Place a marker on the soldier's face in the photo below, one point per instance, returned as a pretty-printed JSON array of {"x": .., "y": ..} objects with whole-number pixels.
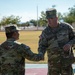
[
  {"x": 53, "y": 22},
  {"x": 16, "y": 35}
]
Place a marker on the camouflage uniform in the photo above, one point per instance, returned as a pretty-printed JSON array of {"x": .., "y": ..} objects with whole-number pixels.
[
  {"x": 52, "y": 41},
  {"x": 12, "y": 57}
]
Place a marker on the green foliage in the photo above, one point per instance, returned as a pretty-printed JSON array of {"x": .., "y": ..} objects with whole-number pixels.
[
  {"x": 43, "y": 15},
  {"x": 10, "y": 19},
  {"x": 60, "y": 16},
  {"x": 42, "y": 20},
  {"x": 34, "y": 22},
  {"x": 70, "y": 17}
]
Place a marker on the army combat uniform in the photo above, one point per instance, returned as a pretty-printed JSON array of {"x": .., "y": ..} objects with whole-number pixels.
[
  {"x": 52, "y": 40},
  {"x": 13, "y": 54},
  {"x": 12, "y": 57}
]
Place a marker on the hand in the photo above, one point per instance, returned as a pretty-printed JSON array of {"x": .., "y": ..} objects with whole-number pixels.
[
  {"x": 41, "y": 56},
  {"x": 67, "y": 47},
  {"x": 38, "y": 57}
]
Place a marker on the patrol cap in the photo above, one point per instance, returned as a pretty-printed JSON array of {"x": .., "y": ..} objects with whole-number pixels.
[
  {"x": 12, "y": 28},
  {"x": 51, "y": 13}
]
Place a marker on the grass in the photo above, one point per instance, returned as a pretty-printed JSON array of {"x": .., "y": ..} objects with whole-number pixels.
[{"x": 29, "y": 38}]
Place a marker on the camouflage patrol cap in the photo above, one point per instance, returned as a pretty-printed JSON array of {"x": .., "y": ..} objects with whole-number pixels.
[
  {"x": 12, "y": 28},
  {"x": 51, "y": 13}
]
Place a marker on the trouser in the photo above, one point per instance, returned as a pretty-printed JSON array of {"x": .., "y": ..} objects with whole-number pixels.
[
  {"x": 60, "y": 70},
  {"x": 12, "y": 73}
]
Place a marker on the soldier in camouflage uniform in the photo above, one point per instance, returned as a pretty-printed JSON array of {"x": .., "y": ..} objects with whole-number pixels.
[
  {"x": 13, "y": 54},
  {"x": 57, "y": 39}
]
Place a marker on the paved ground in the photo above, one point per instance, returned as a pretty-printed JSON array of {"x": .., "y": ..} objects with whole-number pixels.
[
  {"x": 39, "y": 69},
  {"x": 36, "y": 71}
]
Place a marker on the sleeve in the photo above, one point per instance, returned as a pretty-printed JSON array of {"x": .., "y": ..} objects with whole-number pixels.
[
  {"x": 71, "y": 36},
  {"x": 43, "y": 43},
  {"x": 28, "y": 54}
]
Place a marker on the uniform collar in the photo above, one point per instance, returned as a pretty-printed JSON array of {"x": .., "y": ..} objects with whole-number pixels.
[{"x": 11, "y": 39}]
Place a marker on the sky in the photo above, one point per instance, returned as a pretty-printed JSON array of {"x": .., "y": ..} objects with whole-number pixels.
[{"x": 31, "y": 9}]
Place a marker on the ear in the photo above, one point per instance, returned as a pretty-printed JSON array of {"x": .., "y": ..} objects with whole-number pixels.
[{"x": 14, "y": 34}]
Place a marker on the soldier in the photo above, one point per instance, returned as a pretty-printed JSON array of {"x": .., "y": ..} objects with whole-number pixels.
[
  {"x": 13, "y": 54},
  {"x": 57, "y": 39}
]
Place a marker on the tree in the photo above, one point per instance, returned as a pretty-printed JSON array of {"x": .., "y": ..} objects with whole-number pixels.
[
  {"x": 42, "y": 20},
  {"x": 10, "y": 19},
  {"x": 60, "y": 16},
  {"x": 34, "y": 22},
  {"x": 70, "y": 17}
]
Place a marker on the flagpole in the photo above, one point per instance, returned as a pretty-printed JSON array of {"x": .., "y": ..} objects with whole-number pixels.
[{"x": 37, "y": 17}]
